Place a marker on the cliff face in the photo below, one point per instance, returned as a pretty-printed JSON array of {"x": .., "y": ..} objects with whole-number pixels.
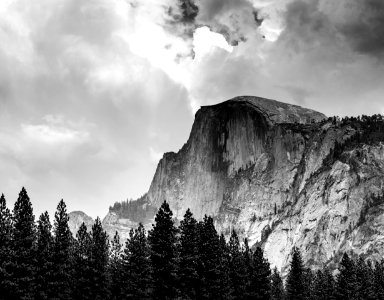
[
  {"x": 76, "y": 218},
  {"x": 265, "y": 168},
  {"x": 228, "y": 141},
  {"x": 277, "y": 173}
]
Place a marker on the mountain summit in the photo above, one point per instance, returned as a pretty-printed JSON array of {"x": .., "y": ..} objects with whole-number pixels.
[{"x": 279, "y": 174}]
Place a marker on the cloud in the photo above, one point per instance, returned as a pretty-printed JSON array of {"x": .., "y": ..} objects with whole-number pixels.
[
  {"x": 364, "y": 26},
  {"x": 89, "y": 87},
  {"x": 359, "y": 24},
  {"x": 53, "y": 132},
  {"x": 235, "y": 20}
]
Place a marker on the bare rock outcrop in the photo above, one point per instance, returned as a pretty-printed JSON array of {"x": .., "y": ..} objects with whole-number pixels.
[{"x": 280, "y": 175}]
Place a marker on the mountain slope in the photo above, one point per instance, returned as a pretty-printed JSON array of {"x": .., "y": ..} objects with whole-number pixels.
[{"x": 282, "y": 176}]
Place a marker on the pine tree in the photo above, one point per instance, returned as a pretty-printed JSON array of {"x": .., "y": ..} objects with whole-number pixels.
[
  {"x": 81, "y": 264},
  {"x": 188, "y": 257},
  {"x": 260, "y": 276},
  {"x": 277, "y": 286},
  {"x": 248, "y": 260},
  {"x": 162, "y": 240},
  {"x": 323, "y": 285},
  {"x": 115, "y": 267},
  {"x": 5, "y": 249},
  {"x": 137, "y": 271},
  {"x": 295, "y": 280},
  {"x": 209, "y": 260},
  {"x": 346, "y": 280},
  {"x": 99, "y": 262},
  {"x": 238, "y": 269},
  {"x": 364, "y": 274},
  {"x": 318, "y": 285},
  {"x": 308, "y": 278},
  {"x": 24, "y": 247},
  {"x": 225, "y": 284},
  {"x": 379, "y": 280},
  {"x": 62, "y": 255},
  {"x": 329, "y": 284},
  {"x": 44, "y": 257}
]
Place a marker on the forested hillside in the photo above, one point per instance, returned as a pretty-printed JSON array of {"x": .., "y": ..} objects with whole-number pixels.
[{"x": 191, "y": 261}]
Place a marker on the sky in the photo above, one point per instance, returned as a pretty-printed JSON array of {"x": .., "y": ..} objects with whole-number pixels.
[{"x": 93, "y": 92}]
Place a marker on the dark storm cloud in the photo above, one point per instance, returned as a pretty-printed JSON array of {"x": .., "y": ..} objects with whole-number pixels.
[
  {"x": 306, "y": 24},
  {"x": 357, "y": 24},
  {"x": 232, "y": 19},
  {"x": 364, "y": 30},
  {"x": 235, "y": 20}
]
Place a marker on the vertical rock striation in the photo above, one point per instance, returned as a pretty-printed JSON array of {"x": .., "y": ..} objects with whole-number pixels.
[{"x": 268, "y": 170}]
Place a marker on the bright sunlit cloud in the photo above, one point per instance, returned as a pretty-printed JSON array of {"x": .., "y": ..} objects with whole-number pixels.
[{"x": 205, "y": 42}]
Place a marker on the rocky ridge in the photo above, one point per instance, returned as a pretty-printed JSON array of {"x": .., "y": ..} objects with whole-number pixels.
[{"x": 281, "y": 175}]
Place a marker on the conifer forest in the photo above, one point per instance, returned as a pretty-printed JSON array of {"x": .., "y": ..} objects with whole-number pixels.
[{"x": 41, "y": 260}]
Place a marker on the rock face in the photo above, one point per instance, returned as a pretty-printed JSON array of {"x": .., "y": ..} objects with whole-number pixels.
[
  {"x": 227, "y": 142},
  {"x": 76, "y": 218},
  {"x": 270, "y": 170}
]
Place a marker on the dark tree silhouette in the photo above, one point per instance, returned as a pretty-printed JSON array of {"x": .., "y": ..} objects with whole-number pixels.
[
  {"x": 260, "y": 276},
  {"x": 209, "y": 260},
  {"x": 323, "y": 285},
  {"x": 162, "y": 240},
  {"x": 378, "y": 279},
  {"x": 98, "y": 264},
  {"x": 6, "y": 281},
  {"x": 277, "y": 286},
  {"x": 188, "y": 257},
  {"x": 81, "y": 264},
  {"x": 365, "y": 284},
  {"x": 225, "y": 284},
  {"x": 346, "y": 280},
  {"x": 44, "y": 258},
  {"x": 238, "y": 269},
  {"x": 116, "y": 267},
  {"x": 295, "y": 280},
  {"x": 137, "y": 270},
  {"x": 62, "y": 254},
  {"x": 24, "y": 250}
]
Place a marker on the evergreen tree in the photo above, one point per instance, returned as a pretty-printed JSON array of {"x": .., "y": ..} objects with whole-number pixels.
[
  {"x": 248, "y": 260},
  {"x": 323, "y": 285},
  {"x": 162, "y": 240},
  {"x": 137, "y": 271},
  {"x": 115, "y": 267},
  {"x": 379, "y": 280},
  {"x": 346, "y": 280},
  {"x": 225, "y": 284},
  {"x": 209, "y": 260},
  {"x": 364, "y": 274},
  {"x": 260, "y": 276},
  {"x": 308, "y": 278},
  {"x": 295, "y": 280},
  {"x": 238, "y": 269},
  {"x": 44, "y": 257},
  {"x": 61, "y": 255},
  {"x": 98, "y": 264},
  {"x": 81, "y": 264},
  {"x": 188, "y": 253},
  {"x": 24, "y": 248},
  {"x": 277, "y": 286},
  {"x": 5, "y": 249}
]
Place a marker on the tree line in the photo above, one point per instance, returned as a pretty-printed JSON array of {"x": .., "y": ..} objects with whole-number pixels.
[{"x": 189, "y": 261}]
